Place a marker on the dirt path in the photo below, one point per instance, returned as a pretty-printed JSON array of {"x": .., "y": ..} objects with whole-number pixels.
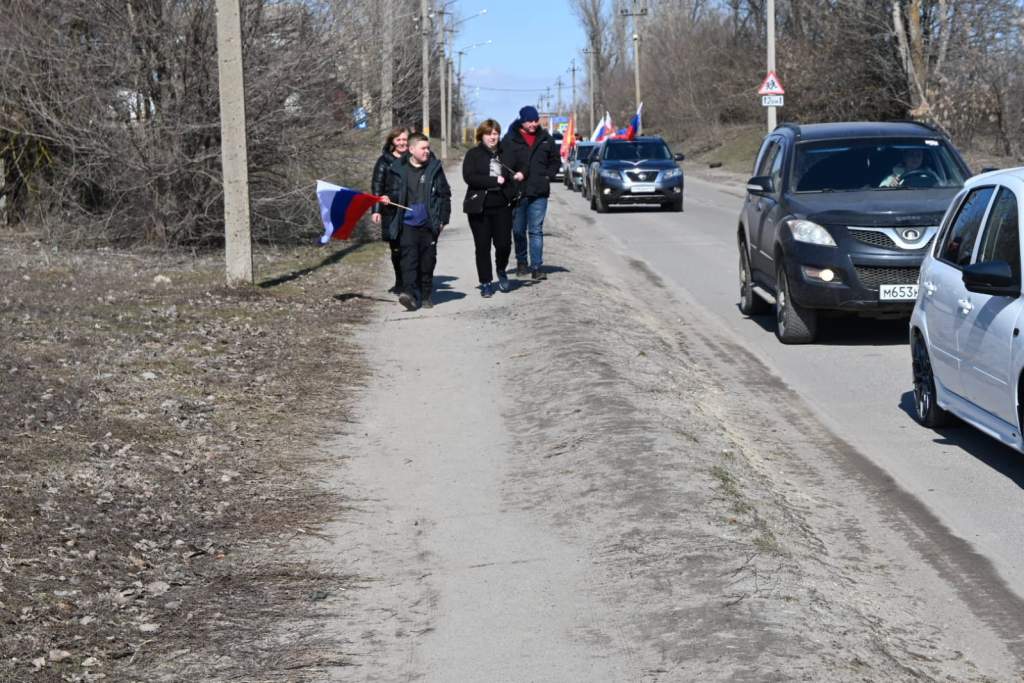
[{"x": 579, "y": 481}]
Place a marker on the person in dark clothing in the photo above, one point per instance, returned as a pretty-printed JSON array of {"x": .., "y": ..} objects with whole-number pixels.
[
  {"x": 488, "y": 206},
  {"x": 531, "y": 153},
  {"x": 418, "y": 181},
  {"x": 396, "y": 144}
]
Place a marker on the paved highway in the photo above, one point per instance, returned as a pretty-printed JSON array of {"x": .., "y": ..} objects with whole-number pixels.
[{"x": 857, "y": 377}]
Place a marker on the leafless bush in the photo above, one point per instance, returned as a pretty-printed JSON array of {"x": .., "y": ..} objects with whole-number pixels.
[{"x": 109, "y": 116}]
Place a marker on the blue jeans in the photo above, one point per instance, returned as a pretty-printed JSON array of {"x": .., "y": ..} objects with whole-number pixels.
[{"x": 529, "y": 220}]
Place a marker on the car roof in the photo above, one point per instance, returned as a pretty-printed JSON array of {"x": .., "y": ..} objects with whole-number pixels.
[
  {"x": 860, "y": 129},
  {"x": 1001, "y": 175},
  {"x": 639, "y": 138}
]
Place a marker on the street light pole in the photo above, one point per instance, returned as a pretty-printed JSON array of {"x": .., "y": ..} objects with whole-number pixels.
[
  {"x": 573, "y": 69},
  {"x": 444, "y": 111},
  {"x": 425, "y": 125},
  {"x": 770, "y": 9},
  {"x": 590, "y": 81},
  {"x": 637, "y": 11}
]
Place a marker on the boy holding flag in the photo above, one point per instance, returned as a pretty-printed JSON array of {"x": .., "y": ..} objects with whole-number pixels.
[{"x": 417, "y": 180}]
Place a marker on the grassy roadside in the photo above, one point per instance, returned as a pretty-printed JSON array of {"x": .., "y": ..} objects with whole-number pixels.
[{"x": 156, "y": 433}]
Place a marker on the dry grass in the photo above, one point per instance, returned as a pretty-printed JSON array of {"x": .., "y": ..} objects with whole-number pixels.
[{"x": 157, "y": 431}]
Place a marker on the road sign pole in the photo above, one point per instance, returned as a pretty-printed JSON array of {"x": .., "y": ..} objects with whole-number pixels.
[{"x": 770, "y": 9}]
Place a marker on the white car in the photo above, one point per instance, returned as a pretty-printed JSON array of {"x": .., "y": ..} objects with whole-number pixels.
[{"x": 965, "y": 340}]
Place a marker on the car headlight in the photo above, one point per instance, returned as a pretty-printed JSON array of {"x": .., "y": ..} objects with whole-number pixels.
[
  {"x": 671, "y": 173},
  {"x": 810, "y": 232},
  {"x": 577, "y": 171},
  {"x": 611, "y": 175}
]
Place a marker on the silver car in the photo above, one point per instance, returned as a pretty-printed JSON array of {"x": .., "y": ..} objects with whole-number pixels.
[
  {"x": 967, "y": 352},
  {"x": 576, "y": 165}
]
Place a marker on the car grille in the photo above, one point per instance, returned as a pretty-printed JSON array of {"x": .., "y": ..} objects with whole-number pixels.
[
  {"x": 872, "y": 276},
  {"x": 879, "y": 239},
  {"x": 642, "y": 176}
]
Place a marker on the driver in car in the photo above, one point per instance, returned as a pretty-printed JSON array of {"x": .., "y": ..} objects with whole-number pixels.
[{"x": 913, "y": 160}]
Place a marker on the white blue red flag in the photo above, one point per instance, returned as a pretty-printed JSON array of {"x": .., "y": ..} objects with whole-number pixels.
[
  {"x": 341, "y": 209},
  {"x": 604, "y": 129},
  {"x": 634, "y": 124}
]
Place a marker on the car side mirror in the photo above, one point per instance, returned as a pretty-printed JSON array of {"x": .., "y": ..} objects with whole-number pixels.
[
  {"x": 995, "y": 278},
  {"x": 679, "y": 157},
  {"x": 760, "y": 184}
]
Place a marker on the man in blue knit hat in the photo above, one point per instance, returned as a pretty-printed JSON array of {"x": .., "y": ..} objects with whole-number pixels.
[{"x": 531, "y": 153}]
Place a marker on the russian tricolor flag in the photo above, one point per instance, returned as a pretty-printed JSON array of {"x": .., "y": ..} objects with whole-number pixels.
[
  {"x": 341, "y": 209},
  {"x": 634, "y": 124},
  {"x": 604, "y": 128}
]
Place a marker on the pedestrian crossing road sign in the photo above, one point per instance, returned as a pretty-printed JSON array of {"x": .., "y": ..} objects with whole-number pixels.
[{"x": 771, "y": 86}]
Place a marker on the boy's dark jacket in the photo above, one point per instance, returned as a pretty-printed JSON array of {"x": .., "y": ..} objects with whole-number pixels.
[
  {"x": 476, "y": 171},
  {"x": 539, "y": 163},
  {"x": 439, "y": 205}
]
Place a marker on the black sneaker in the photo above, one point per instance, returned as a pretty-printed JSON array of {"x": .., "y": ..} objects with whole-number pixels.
[
  {"x": 426, "y": 303},
  {"x": 539, "y": 275},
  {"x": 503, "y": 283},
  {"x": 486, "y": 290},
  {"x": 407, "y": 300},
  {"x": 522, "y": 269}
]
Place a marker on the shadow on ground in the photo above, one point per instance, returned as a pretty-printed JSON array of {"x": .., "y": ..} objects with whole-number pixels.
[
  {"x": 328, "y": 260},
  {"x": 974, "y": 443}
]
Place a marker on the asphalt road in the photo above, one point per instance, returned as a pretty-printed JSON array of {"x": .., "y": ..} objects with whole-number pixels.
[{"x": 857, "y": 377}]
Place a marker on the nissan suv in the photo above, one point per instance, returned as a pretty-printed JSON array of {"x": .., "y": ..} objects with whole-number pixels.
[
  {"x": 838, "y": 218},
  {"x": 638, "y": 171}
]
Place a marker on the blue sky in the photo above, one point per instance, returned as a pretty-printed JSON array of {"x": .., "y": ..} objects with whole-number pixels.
[{"x": 533, "y": 43}]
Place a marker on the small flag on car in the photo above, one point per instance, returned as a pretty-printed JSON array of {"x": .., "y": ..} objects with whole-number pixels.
[{"x": 341, "y": 208}]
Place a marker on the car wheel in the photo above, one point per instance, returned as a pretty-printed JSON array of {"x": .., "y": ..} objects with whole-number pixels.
[
  {"x": 599, "y": 204},
  {"x": 794, "y": 324},
  {"x": 676, "y": 206},
  {"x": 593, "y": 204},
  {"x": 926, "y": 407},
  {"x": 583, "y": 191},
  {"x": 750, "y": 303}
]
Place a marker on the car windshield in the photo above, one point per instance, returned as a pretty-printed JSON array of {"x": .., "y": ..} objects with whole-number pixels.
[
  {"x": 583, "y": 153},
  {"x": 632, "y": 151},
  {"x": 845, "y": 166}
]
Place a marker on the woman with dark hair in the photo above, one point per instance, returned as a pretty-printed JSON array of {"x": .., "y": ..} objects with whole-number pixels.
[
  {"x": 488, "y": 205},
  {"x": 395, "y": 145}
]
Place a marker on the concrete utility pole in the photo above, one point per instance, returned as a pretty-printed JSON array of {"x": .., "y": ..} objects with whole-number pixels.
[
  {"x": 573, "y": 70},
  {"x": 234, "y": 157},
  {"x": 637, "y": 11},
  {"x": 424, "y": 27},
  {"x": 387, "y": 103},
  {"x": 770, "y": 9},
  {"x": 591, "y": 76},
  {"x": 558, "y": 103},
  {"x": 444, "y": 111},
  {"x": 452, "y": 137}
]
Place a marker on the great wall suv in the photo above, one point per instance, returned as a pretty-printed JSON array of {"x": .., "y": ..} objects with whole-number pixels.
[{"x": 838, "y": 218}]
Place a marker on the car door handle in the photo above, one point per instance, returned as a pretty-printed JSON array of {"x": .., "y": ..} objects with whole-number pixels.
[
  {"x": 965, "y": 305},
  {"x": 759, "y": 206},
  {"x": 929, "y": 288}
]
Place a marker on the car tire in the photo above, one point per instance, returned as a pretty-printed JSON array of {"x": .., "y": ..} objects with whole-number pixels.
[
  {"x": 750, "y": 303},
  {"x": 593, "y": 205},
  {"x": 794, "y": 324},
  {"x": 926, "y": 406},
  {"x": 675, "y": 206},
  {"x": 599, "y": 204},
  {"x": 583, "y": 191}
]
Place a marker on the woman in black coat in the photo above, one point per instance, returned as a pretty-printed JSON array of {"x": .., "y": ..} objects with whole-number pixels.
[
  {"x": 396, "y": 144},
  {"x": 488, "y": 205}
]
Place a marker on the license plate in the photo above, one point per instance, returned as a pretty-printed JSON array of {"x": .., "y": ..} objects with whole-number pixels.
[
  {"x": 897, "y": 292},
  {"x": 638, "y": 188}
]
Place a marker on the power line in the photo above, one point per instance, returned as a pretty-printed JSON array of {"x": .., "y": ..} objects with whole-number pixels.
[{"x": 537, "y": 89}]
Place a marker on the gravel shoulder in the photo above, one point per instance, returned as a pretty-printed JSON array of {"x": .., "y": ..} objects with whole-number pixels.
[{"x": 589, "y": 478}]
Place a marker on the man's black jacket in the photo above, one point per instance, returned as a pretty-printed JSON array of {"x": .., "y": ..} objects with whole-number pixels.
[
  {"x": 538, "y": 164},
  {"x": 439, "y": 202}
]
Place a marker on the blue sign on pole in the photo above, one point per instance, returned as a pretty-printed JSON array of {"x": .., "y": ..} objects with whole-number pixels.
[{"x": 361, "y": 116}]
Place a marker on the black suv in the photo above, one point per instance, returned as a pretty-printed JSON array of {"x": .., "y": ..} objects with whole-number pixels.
[
  {"x": 839, "y": 216},
  {"x": 638, "y": 171}
]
